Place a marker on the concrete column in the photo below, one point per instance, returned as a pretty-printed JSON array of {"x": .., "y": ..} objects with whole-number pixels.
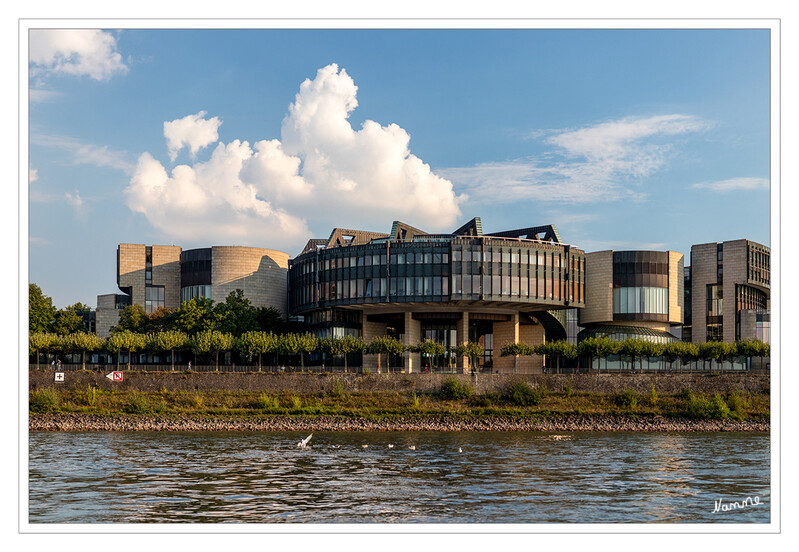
[
  {"x": 412, "y": 336},
  {"x": 462, "y": 328},
  {"x": 370, "y": 331},
  {"x": 506, "y": 332}
]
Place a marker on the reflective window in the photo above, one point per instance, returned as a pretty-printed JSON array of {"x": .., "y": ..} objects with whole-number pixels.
[{"x": 640, "y": 300}]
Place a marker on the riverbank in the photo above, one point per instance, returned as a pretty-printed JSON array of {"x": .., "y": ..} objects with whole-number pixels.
[{"x": 564, "y": 423}]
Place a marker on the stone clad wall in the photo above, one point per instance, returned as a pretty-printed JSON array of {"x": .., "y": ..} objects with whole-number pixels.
[
  {"x": 598, "y": 288},
  {"x": 260, "y": 273}
]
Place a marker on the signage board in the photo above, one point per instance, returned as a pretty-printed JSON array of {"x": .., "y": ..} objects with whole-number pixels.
[
  {"x": 114, "y": 376},
  {"x": 59, "y": 377}
]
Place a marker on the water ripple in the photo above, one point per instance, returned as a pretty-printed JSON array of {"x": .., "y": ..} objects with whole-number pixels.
[{"x": 507, "y": 477}]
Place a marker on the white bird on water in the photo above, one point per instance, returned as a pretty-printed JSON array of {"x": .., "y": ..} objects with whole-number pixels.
[
  {"x": 304, "y": 442},
  {"x": 460, "y": 449},
  {"x": 365, "y": 446},
  {"x": 412, "y": 447},
  {"x": 390, "y": 446}
]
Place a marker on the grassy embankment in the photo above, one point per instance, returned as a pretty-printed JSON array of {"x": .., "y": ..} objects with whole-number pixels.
[{"x": 454, "y": 399}]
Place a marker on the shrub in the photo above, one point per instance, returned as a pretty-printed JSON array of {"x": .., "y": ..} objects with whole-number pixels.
[
  {"x": 626, "y": 399},
  {"x": 520, "y": 393},
  {"x": 267, "y": 402},
  {"x": 653, "y": 396},
  {"x": 45, "y": 400},
  {"x": 296, "y": 402},
  {"x": 415, "y": 400},
  {"x": 137, "y": 404},
  {"x": 160, "y": 407},
  {"x": 338, "y": 389},
  {"x": 454, "y": 389},
  {"x": 90, "y": 396},
  {"x": 718, "y": 408},
  {"x": 567, "y": 389},
  {"x": 686, "y": 394},
  {"x": 737, "y": 405}
]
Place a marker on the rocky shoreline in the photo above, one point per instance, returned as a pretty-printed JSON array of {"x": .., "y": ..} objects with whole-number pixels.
[{"x": 91, "y": 422}]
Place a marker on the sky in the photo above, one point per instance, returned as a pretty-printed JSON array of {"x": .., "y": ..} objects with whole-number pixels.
[{"x": 623, "y": 139}]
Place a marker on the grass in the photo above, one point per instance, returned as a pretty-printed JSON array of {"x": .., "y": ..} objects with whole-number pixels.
[{"x": 518, "y": 400}]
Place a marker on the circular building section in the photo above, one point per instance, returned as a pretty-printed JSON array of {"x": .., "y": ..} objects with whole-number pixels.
[
  {"x": 449, "y": 288},
  {"x": 633, "y": 294},
  {"x": 215, "y": 272}
]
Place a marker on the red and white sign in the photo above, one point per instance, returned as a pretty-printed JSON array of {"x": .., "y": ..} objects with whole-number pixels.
[{"x": 114, "y": 376}]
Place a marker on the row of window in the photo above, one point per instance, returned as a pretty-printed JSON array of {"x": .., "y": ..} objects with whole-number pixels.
[
  {"x": 641, "y": 300},
  {"x": 190, "y": 292}
]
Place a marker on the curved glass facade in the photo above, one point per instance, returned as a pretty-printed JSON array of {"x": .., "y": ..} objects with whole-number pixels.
[
  {"x": 620, "y": 333},
  {"x": 485, "y": 268},
  {"x": 641, "y": 285}
]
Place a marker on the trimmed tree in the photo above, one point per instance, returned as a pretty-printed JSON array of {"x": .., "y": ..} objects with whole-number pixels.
[
  {"x": 211, "y": 341},
  {"x": 170, "y": 340},
  {"x": 125, "y": 340},
  {"x": 83, "y": 342},
  {"x": 384, "y": 344},
  {"x": 299, "y": 344},
  {"x": 342, "y": 346},
  {"x": 471, "y": 350},
  {"x": 558, "y": 349},
  {"x": 40, "y": 342},
  {"x": 257, "y": 343}
]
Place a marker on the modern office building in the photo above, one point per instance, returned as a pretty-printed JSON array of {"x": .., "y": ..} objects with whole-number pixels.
[
  {"x": 728, "y": 286},
  {"x": 165, "y": 276},
  {"x": 632, "y": 294},
  {"x": 494, "y": 289}
]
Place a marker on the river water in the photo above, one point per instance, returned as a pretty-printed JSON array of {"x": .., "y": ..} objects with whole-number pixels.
[{"x": 495, "y": 477}]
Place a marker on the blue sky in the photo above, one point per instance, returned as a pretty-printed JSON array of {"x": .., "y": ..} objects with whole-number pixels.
[{"x": 624, "y": 139}]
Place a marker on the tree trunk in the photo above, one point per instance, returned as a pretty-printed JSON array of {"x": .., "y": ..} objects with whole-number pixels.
[{"x": 173, "y": 359}]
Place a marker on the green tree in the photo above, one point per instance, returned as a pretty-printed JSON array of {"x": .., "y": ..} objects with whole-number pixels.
[
  {"x": 211, "y": 341},
  {"x": 236, "y": 315},
  {"x": 599, "y": 347},
  {"x": 342, "y": 346},
  {"x": 83, "y": 341},
  {"x": 197, "y": 315},
  {"x": 256, "y": 343},
  {"x": 384, "y": 344},
  {"x": 69, "y": 320},
  {"x": 133, "y": 319},
  {"x": 430, "y": 348},
  {"x": 299, "y": 344},
  {"x": 752, "y": 348},
  {"x": 41, "y": 312},
  {"x": 125, "y": 340},
  {"x": 269, "y": 319},
  {"x": 169, "y": 340},
  {"x": 716, "y": 350},
  {"x": 516, "y": 349},
  {"x": 40, "y": 342},
  {"x": 473, "y": 351},
  {"x": 557, "y": 349}
]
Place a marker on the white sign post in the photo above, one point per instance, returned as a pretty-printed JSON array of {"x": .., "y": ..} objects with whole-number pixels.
[{"x": 114, "y": 376}]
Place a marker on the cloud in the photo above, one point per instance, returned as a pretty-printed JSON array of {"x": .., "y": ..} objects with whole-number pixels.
[
  {"x": 735, "y": 184},
  {"x": 590, "y": 164},
  {"x": 86, "y": 154},
  {"x": 361, "y": 178},
  {"x": 38, "y": 241},
  {"x": 192, "y": 131},
  {"x": 74, "y": 200},
  {"x": 79, "y": 52},
  {"x": 33, "y": 175},
  {"x": 39, "y": 95}
]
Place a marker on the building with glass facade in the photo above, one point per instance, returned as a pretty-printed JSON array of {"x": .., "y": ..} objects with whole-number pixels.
[
  {"x": 493, "y": 289},
  {"x": 636, "y": 294},
  {"x": 728, "y": 285},
  {"x": 165, "y": 276}
]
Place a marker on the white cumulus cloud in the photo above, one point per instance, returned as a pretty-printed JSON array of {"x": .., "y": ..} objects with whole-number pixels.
[
  {"x": 193, "y": 131},
  {"x": 320, "y": 168},
  {"x": 80, "y": 52}
]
